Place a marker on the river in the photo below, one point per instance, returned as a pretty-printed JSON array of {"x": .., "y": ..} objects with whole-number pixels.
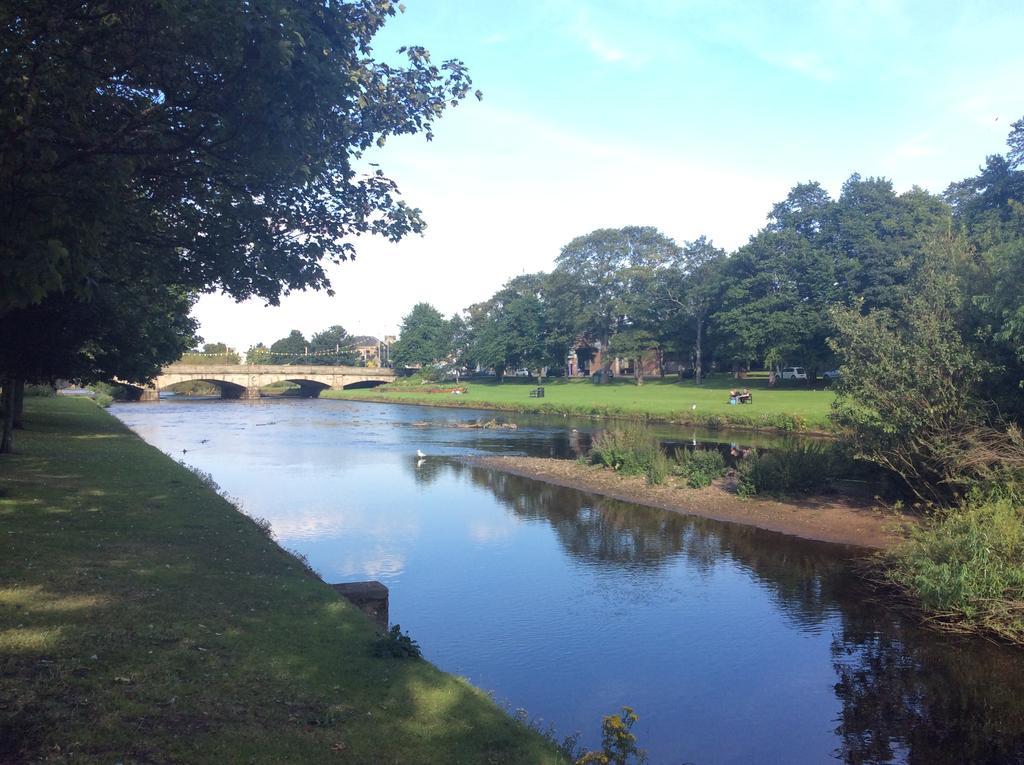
[{"x": 734, "y": 645}]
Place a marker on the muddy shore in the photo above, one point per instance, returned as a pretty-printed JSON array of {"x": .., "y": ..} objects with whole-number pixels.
[{"x": 835, "y": 519}]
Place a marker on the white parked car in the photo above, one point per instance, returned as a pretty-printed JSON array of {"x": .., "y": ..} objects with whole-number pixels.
[
  {"x": 793, "y": 373},
  {"x": 832, "y": 374}
]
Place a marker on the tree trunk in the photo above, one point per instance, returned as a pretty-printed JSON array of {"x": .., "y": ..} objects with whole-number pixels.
[
  {"x": 637, "y": 373},
  {"x": 19, "y": 404},
  {"x": 7, "y": 430},
  {"x": 698, "y": 370}
]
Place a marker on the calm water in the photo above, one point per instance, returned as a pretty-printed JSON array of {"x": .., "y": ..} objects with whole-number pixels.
[{"x": 734, "y": 645}]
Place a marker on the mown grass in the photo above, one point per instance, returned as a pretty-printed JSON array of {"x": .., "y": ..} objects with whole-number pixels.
[
  {"x": 144, "y": 619},
  {"x": 791, "y": 408}
]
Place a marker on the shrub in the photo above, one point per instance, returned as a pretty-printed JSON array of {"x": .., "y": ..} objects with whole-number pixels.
[
  {"x": 114, "y": 392},
  {"x": 103, "y": 400},
  {"x": 909, "y": 393},
  {"x": 699, "y": 467},
  {"x": 40, "y": 391},
  {"x": 659, "y": 468},
  {"x": 618, "y": 743},
  {"x": 631, "y": 450},
  {"x": 966, "y": 566},
  {"x": 800, "y": 468},
  {"x": 394, "y": 644},
  {"x": 714, "y": 422}
]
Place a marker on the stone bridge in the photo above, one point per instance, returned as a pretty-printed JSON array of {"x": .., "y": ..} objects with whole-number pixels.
[{"x": 245, "y": 381}]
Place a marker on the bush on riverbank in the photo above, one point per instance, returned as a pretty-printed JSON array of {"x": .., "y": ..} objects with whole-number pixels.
[
  {"x": 800, "y": 468},
  {"x": 631, "y": 450},
  {"x": 966, "y": 567},
  {"x": 699, "y": 467}
]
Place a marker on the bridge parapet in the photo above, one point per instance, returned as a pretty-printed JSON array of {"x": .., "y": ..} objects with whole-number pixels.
[
  {"x": 292, "y": 369},
  {"x": 245, "y": 380}
]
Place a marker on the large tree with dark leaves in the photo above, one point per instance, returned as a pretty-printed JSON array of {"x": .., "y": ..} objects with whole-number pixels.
[
  {"x": 989, "y": 210},
  {"x": 598, "y": 275},
  {"x": 127, "y": 332},
  {"x": 223, "y": 136}
]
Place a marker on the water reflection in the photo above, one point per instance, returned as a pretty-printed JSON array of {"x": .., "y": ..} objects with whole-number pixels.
[{"x": 906, "y": 695}]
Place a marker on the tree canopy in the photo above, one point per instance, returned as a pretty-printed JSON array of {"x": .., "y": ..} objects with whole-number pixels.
[
  {"x": 172, "y": 148},
  {"x": 225, "y": 139},
  {"x": 425, "y": 338}
]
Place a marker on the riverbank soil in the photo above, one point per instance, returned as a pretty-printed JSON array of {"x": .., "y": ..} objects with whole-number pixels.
[
  {"x": 144, "y": 619},
  {"x": 826, "y": 518},
  {"x": 782, "y": 407}
]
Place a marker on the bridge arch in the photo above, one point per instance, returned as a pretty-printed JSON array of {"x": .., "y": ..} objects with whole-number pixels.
[
  {"x": 308, "y": 388},
  {"x": 364, "y": 384},
  {"x": 226, "y": 388}
]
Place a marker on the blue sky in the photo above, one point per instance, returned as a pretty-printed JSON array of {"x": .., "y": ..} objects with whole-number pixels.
[{"x": 694, "y": 117}]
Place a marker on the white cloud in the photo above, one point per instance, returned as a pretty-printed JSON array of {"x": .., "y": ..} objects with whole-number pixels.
[
  {"x": 807, "y": 63},
  {"x": 917, "y": 147}
]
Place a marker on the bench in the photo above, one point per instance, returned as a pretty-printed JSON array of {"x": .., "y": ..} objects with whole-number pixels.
[{"x": 537, "y": 392}]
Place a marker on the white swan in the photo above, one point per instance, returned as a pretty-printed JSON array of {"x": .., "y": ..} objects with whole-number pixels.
[{"x": 420, "y": 455}]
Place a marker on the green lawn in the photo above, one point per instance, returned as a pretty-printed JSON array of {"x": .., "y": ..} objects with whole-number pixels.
[
  {"x": 144, "y": 619},
  {"x": 789, "y": 407}
]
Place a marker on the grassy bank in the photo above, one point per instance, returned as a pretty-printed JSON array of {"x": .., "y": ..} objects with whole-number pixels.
[
  {"x": 784, "y": 408},
  {"x": 142, "y": 618}
]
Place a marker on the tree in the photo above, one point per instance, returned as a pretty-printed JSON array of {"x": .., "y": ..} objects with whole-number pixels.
[
  {"x": 293, "y": 349},
  {"x": 521, "y": 326},
  {"x": 1016, "y": 143},
  {"x": 776, "y": 293},
  {"x": 198, "y": 145},
  {"x": 686, "y": 292},
  {"x": 425, "y": 338},
  {"x": 879, "y": 238},
  {"x": 807, "y": 209},
  {"x": 212, "y": 353},
  {"x": 907, "y": 398},
  {"x": 594, "y": 279},
  {"x": 633, "y": 344},
  {"x": 127, "y": 334},
  {"x": 989, "y": 210},
  {"x": 226, "y": 137},
  {"x": 331, "y": 346},
  {"x": 258, "y": 354}
]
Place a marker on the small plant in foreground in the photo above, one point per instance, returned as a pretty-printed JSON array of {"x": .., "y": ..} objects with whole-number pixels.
[
  {"x": 569, "y": 746},
  {"x": 303, "y": 562},
  {"x": 395, "y": 644},
  {"x": 618, "y": 744}
]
